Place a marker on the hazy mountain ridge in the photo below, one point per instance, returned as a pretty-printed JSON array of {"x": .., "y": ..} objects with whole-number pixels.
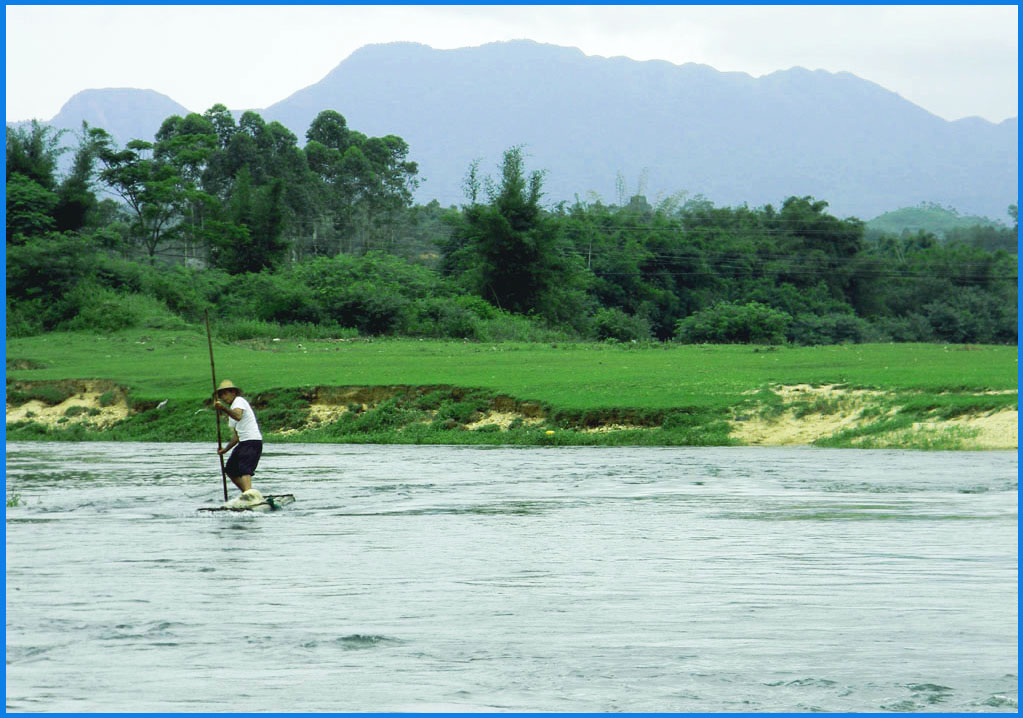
[
  {"x": 666, "y": 128},
  {"x": 126, "y": 113}
]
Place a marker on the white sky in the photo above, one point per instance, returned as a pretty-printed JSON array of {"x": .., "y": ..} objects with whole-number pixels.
[{"x": 955, "y": 61}]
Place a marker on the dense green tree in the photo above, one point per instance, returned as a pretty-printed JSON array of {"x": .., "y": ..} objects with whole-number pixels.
[
  {"x": 330, "y": 129},
  {"x": 813, "y": 244},
  {"x": 32, "y": 183},
  {"x": 244, "y": 197},
  {"x": 367, "y": 184},
  {"x": 511, "y": 252},
  {"x": 985, "y": 237},
  {"x": 217, "y": 177},
  {"x": 250, "y": 237},
  {"x": 33, "y": 152},
  {"x": 223, "y": 124},
  {"x": 30, "y": 208},
  {"x": 188, "y": 144}
]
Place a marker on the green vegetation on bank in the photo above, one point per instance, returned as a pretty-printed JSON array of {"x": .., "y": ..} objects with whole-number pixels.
[
  {"x": 636, "y": 323},
  {"x": 429, "y": 390}
]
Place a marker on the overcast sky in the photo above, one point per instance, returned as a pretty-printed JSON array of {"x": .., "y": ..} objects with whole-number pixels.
[{"x": 955, "y": 61}]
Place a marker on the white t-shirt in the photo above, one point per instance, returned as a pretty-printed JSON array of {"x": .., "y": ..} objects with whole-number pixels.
[{"x": 246, "y": 427}]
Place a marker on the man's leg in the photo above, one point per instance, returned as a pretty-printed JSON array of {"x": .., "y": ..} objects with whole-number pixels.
[
  {"x": 234, "y": 465},
  {"x": 244, "y": 482}
]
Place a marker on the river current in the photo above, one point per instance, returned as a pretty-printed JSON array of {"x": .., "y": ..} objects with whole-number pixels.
[{"x": 512, "y": 579}]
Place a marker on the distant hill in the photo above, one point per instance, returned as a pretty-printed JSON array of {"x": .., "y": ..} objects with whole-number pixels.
[
  {"x": 727, "y": 135},
  {"x": 928, "y": 217},
  {"x": 662, "y": 127},
  {"x": 125, "y": 113}
]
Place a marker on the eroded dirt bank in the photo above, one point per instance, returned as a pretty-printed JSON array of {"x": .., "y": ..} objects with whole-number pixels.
[
  {"x": 806, "y": 414},
  {"x": 94, "y": 403},
  {"x": 781, "y": 415}
]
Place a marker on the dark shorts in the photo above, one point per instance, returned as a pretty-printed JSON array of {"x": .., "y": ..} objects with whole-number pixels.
[{"x": 244, "y": 458}]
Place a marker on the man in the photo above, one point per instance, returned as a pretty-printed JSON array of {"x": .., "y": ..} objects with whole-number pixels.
[{"x": 245, "y": 435}]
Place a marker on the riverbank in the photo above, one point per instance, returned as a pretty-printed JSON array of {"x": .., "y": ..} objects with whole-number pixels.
[
  {"x": 154, "y": 386},
  {"x": 778, "y": 415}
]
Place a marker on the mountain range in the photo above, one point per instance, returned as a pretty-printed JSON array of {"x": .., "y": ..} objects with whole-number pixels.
[{"x": 600, "y": 126}]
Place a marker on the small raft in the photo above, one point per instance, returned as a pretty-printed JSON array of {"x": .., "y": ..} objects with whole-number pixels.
[{"x": 253, "y": 500}]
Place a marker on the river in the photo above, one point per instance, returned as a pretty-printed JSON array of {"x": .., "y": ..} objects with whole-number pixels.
[{"x": 512, "y": 579}]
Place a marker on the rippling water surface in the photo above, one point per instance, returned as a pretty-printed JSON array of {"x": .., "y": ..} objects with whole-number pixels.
[{"x": 455, "y": 578}]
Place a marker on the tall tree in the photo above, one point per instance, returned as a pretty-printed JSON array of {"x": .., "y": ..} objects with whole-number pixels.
[
  {"x": 75, "y": 196},
  {"x": 250, "y": 237},
  {"x": 188, "y": 145},
  {"x": 814, "y": 246},
  {"x": 366, "y": 182},
  {"x": 510, "y": 250},
  {"x": 150, "y": 187}
]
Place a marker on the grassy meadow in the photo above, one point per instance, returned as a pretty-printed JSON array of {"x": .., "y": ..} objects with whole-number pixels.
[{"x": 175, "y": 364}]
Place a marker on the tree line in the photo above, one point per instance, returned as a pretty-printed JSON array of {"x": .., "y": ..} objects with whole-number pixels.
[{"x": 326, "y": 239}]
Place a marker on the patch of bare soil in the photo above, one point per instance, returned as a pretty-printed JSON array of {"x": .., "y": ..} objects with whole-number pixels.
[
  {"x": 503, "y": 419},
  {"x": 98, "y": 404},
  {"x": 607, "y": 428},
  {"x": 997, "y": 430},
  {"x": 809, "y": 413},
  {"x": 325, "y": 413}
]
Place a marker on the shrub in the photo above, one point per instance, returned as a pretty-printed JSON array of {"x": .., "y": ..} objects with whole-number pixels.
[
  {"x": 385, "y": 417},
  {"x": 463, "y": 412},
  {"x": 29, "y": 207},
  {"x": 441, "y": 317},
  {"x": 186, "y": 291},
  {"x": 727, "y": 323},
  {"x": 811, "y": 329},
  {"x": 48, "y": 267},
  {"x": 103, "y": 309},
  {"x": 911, "y": 328},
  {"x": 369, "y": 308},
  {"x": 42, "y": 273},
  {"x": 241, "y": 329},
  {"x": 615, "y": 324},
  {"x": 281, "y": 409},
  {"x": 276, "y": 298},
  {"x": 119, "y": 274},
  {"x": 24, "y": 318},
  {"x": 49, "y": 394},
  {"x": 507, "y": 327}
]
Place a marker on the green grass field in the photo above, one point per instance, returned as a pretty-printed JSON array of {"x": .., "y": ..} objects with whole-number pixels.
[{"x": 160, "y": 364}]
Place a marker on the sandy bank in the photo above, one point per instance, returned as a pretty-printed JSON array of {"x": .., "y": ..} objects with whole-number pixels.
[{"x": 807, "y": 414}]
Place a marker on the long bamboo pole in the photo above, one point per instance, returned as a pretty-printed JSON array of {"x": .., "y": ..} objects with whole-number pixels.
[{"x": 213, "y": 371}]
